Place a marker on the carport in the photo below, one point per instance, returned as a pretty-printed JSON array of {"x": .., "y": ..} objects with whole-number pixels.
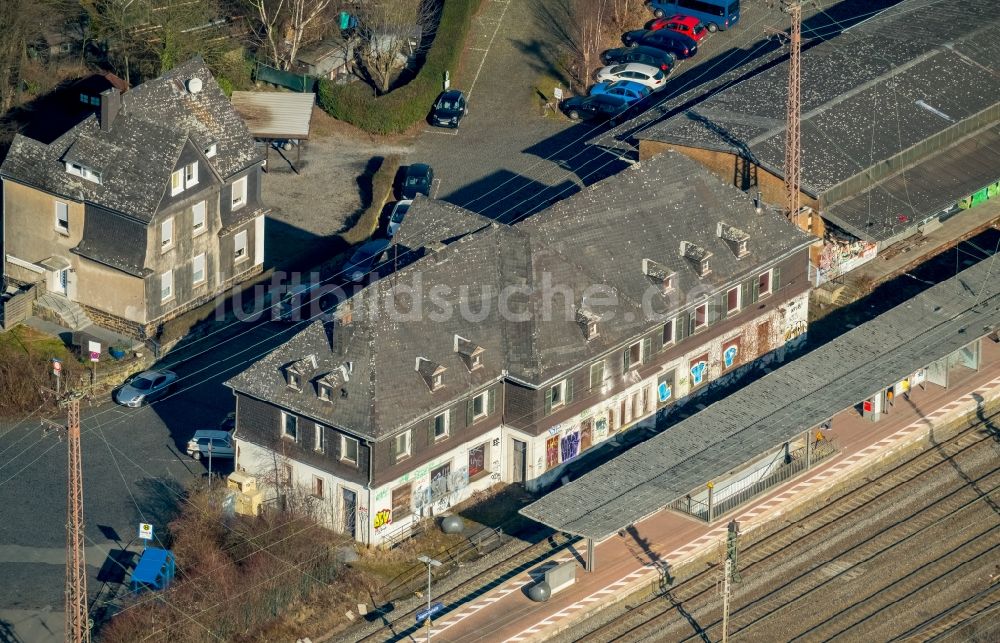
[
  {"x": 277, "y": 116},
  {"x": 948, "y": 323}
]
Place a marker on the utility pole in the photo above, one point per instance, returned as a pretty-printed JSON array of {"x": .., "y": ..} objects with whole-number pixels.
[
  {"x": 730, "y": 574},
  {"x": 431, "y": 563},
  {"x": 77, "y": 619},
  {"x": 793, "y": 128}
]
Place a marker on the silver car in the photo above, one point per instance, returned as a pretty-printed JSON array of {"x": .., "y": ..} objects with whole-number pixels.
[
  {"x": 205, "y": 442},
  {"x": 144, "y": 387}
]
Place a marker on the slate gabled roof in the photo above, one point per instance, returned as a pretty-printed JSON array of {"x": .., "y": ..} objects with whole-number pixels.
[
  {"x": 135, "y": 158},
  {"x": 537, "y": 274},
  {"x": 868, "y": 93}
]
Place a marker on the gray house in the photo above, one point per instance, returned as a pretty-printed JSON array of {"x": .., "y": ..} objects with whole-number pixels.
[
  {"x": 503, "y": 353},
  {"x": 142, "y": 211}
]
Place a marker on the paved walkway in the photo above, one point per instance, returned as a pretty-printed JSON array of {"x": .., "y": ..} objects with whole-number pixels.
[{"x": 631, "y": 559}]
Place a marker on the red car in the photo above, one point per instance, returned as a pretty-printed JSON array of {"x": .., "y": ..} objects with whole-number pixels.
[{"x": 687, "y": 25}]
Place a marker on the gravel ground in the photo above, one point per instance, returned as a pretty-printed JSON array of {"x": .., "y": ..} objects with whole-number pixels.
[{"x": 311, "y": 206}]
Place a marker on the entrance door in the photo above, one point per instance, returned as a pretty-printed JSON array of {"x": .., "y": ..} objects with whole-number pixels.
[
  {"x": 349, "y": 507},
  {"x": 520, "y": 461},
  {"x": 59, "y": 281}
]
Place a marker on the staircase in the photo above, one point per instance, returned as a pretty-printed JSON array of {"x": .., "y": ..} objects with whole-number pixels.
[{"x": 67, "y": 312}]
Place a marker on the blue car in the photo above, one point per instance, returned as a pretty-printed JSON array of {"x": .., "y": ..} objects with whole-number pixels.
[{"x": 628, "y": 90}]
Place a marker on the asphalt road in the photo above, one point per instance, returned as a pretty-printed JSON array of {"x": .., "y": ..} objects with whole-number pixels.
[{"x": 134, "y": 470}]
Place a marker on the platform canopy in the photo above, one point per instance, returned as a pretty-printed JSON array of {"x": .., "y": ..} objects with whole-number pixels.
[
  {"x": 276, "y": 115},
  {"x": 777, "y": 407}
]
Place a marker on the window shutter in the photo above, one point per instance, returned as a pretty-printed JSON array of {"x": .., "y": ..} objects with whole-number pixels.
[
  {"x": 647, "y": 346},
  {"x": 569, "y": 389},
  {"x": 471, "y": 414},
  {"x": 491, "y": 401},
  {"x": 452, "y": 420},
  {"x": 776, "y": 279},
  {"x": 597, "y": 374},
  {"x": 745, "y": 296},
  {"x": 548, "y": 400},
  {"x": 680, "y": 328},
  {"x": 755, "y": 289},
  {"x": 721, "y": 304},
  {"x": 692, "y": 320},
  {"x": 392, "y": 449}
]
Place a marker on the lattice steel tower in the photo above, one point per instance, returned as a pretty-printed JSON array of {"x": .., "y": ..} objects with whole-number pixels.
[
  {"x": 77, "y": 622},
  {"x": 793, "y": 130}
]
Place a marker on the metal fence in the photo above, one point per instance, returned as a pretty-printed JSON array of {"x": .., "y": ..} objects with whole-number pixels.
[
  {"x": 737, "y": 492},
  {"x": 295, "y": 82}
]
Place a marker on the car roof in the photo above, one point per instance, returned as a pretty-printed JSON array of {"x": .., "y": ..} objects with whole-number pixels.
[
  {"x": 687, "y": 20},
  {"x": 403, "y": 203},
  {"x": 669, "y": 34},
  {"x": 604, "y": 98},
  {"x": 651, "y": 51},
  {"x": 149, "y": 374},
  {"x": 628, "y": 84},
  {"x": 209, "y": 433},
  {"x": 643, "y": 67},
  {"x": 452, "y": 93}
]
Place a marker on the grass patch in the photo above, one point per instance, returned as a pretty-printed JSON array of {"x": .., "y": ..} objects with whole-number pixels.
[
  {"x": 381, "y": 192},
  {"x": 397, "y": 111},
  {"x": 25, "y": 368}
]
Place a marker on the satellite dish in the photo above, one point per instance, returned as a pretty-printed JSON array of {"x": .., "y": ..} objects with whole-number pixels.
[{"x": 194, "y": 85}]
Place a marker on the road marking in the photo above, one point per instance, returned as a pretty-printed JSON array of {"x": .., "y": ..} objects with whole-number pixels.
[
  {"x": 482, "y": 62},
  {"x": 453, "y": 132},
  {"x": 435, "y": 186}
]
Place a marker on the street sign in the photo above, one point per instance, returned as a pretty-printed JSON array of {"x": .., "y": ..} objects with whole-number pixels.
[
  {"x": 428, "y": 612},
  {"x": 145, "y": 531},
  {"x": 95, "y": 351},
  {"x": 56, "y": 366},
  {"x": 557, "y": 93},
  {"x": 447, "y": 80}
]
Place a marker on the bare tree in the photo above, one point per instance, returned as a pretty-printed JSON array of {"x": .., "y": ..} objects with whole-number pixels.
[
  {"x": 21, "y": 21},
  {"x": 387, "y": 30},
  {"x": 281, "y": 27},
  {"x": 586, "y": 35},
  {"x": 625, "y": 12}
]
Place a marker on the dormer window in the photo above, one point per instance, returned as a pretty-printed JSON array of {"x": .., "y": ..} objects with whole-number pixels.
[
  {"x": 432, "y": 373},
  {"x": 735, "y": 238},
  {"x": 294, "y": 373},
  {"x": 698, "y": 256},
  {"x": 211, "y": 150},
  {"x": 589, "y": 323},
  {"x": 294, "y": 380},
  {"x": 84, "y": 172},
  {"x": 470, "y": 352},
  {"x": 324, "y": 392},
  {"x": 659, "y": 274}
]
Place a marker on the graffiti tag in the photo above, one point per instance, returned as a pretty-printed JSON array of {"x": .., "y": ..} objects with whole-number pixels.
[
  {"x": 382, "y": 518},
  {"x": 698, "y": 372},
  {"x": 729, "y": 355}
]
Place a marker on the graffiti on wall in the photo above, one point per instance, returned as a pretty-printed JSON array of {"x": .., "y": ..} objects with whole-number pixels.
[
  {"x": 979, "y": 196},
  {"x": 699, "y": 369},
  {"x": 441, "y": 491},
  {"x": 600, "y": 428},
  {"x": 382, "y": 518},
  {"x": 551, "y": 451},
  {"x": 570, "y": 446},
  {"x": 839, "y": 256}
]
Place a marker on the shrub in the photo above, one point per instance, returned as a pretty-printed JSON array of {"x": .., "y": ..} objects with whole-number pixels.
[
  {"x": 382, "y": 181},
  {"x": 391, "y": 113}
]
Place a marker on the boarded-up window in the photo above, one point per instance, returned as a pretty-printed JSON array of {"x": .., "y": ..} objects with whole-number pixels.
[
  {"x": 586, "y": 434},
  {"x": 552, "y": 452},
  {"x": 401, "y": 501},
  {"x": 477, "y": 460},
  {"x": 731, "y": 353}
]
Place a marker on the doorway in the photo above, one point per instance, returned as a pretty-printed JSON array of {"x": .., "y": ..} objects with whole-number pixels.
[
  {"x": 349, "y": 507},
  {"x": 519, "y": 461}
]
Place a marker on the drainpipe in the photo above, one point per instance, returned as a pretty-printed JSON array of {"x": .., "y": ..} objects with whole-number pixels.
[{"x": 368, "y": 487}]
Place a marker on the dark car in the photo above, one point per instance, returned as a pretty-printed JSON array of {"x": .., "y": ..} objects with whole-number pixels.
[
  {"x": 366, "y": 260},
  {"x": 670, "y": 41},
  {"x": 449, "y": 109},
  {"x": 598, "y": 107},
  {"x": 417, "y": 180},
  {"x": 646, "y": 55}
]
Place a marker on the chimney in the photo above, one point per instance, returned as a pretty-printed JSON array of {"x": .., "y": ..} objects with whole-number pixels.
[{"x": 111, "y": 103}]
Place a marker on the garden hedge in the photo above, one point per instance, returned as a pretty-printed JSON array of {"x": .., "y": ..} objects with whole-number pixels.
[{"x": 391, "y": 113}]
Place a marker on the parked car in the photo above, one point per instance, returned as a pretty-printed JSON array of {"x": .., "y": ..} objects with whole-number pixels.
[
  {"x": 449, "y": 108},
  {"x": 144, "y": 387},
  {"x": 417, "y": 180},
  {"x": 646, "y": 75},
  {"x": 365, "y": 259},
  {"x": 675, "y": 43},
  {"x": 599, "y": 107},
  {"x": 687, "y": 25},
  {"x": 629, "y": 90},
  {"x": 646, "y": 55},
  {"x": 219, "y": 443},
  {"x": 715, "y": 14},
  {"x": 396, "y": 217}
]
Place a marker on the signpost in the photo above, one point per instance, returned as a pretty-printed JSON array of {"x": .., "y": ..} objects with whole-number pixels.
[
  {"x": 557, "y": 93},
  {"x": 145, "y": 533},
  {"x": 428, "y": 612},
  {"x": 447, "y": 80},
  {"x": 95, "y": 355},
  {"x": 57, "y": 371}
]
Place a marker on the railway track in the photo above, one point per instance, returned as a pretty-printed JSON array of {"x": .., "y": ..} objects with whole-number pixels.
[
  {"x": 401, "y": 626},
  {"x": 820, "y": 536}
]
